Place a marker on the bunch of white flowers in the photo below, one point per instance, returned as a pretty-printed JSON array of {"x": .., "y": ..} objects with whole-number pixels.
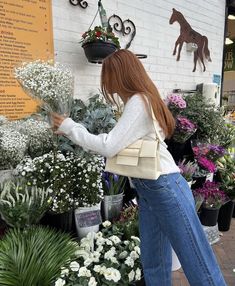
[
  {"x": 49, "y": 82},
  {"x": 89, "y": 180},
  {"x": 39, "y": 134},
  {"x": 13, "y": 146},
  {"x": 104, "y": 259}
]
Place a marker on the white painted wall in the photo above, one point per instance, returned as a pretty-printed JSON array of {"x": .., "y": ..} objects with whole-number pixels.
[{"x": 155, "y": 37}]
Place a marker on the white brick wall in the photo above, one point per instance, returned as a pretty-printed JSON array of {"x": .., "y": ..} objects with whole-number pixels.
[{"x": 155, "y": 37}]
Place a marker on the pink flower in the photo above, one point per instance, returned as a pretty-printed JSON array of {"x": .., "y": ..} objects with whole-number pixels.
[{"x": 206, "y": 164}]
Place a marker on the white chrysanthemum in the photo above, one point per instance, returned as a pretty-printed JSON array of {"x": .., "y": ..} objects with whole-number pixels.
[
  {"x": 112, "y": 274},
  {"x": 135, "y": 238},
  {"x": 60, "y": 282},
  {"x": 98, "y": 235},
  {"x": 74, "y": 266},
  {"x": 115, "y": 239},
  {"x": 84, "y": 272},
  {"x": 129, "y": 262},
  {"x": 106, "y": 223},
  {"x": 64, "y": 272},
  {"x": 134, "y": 255},
  {"x": 92, "y": 282},
  {"x": 137, "y": 274},
  {"x": 137, "y": 249},
  {"x": 131, "y": 276}
]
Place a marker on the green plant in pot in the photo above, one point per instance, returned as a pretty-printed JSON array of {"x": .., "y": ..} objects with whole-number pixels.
[{"x": 98, "y": 43}]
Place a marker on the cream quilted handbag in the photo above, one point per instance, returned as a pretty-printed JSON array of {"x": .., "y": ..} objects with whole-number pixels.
[{"x": 138, "y": 160}]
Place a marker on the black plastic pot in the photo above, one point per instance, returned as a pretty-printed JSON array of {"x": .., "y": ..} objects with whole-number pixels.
[
  {"x": 209, "y": 216},
  {"x": 62, "y": 222},
  {"x": 98, "y": 50},
  {"x": 225, "y": 216}
]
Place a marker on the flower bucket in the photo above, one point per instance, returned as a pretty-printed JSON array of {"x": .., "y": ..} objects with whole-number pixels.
[
  {"x": 209, "y": 216},
  {"x": 5, "y": 175},
  {"x": 87, "y": 219},
  {"x": 112, "y": 206},
  {"x": 225, "y": 216},
  {"x": 98, "y": 50}
]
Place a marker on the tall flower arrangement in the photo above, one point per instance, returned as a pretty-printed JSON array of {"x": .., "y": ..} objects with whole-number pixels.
[{"x": 49, "y": 82}]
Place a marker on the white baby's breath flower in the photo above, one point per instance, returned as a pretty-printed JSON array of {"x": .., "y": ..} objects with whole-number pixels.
[
  {"x": 129, "y": 261},
  {"x": 92, "y": 282},
  {"x": 115, "y": 239},
  {"x": 84, "y": 272},
  {"x": 131, "y": 276},
  {"x": 138, "y": 274},
  {"x": 134, "y": 255}
]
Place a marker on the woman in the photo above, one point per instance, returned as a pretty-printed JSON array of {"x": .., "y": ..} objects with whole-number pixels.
[{"x": 167, "y": 212}]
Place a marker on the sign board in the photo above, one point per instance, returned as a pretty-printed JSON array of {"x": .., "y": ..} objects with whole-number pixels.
[
  {"x": 87, "y": 219},
  {"x": 25, "y": 35},
  {"x": 229, "y": 62}
]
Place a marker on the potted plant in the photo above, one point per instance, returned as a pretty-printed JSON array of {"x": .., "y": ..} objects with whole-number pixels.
[
  {"x": 187, "y": 170},
  {"x": 113, "y": 186},
  {"x": 22, "y": 205},
  {"x": 57, "y": 172},
  {"x": 104, "y": 258},
  {"x": 99, "y": 43},
  {"x": 37, "y": 254},
  {"x": 226, "y": 168},
  {"x": 213, "y": 199},
  {"x": 89, "y": 194}
]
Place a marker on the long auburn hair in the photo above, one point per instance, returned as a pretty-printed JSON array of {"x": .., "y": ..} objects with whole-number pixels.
[{"x": 123, "y": 73}]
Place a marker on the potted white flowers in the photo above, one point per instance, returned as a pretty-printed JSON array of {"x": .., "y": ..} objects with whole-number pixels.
[{"x": 104, "y": 259}]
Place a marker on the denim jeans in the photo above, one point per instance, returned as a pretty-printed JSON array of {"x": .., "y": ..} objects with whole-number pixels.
[{"x": 167, "y": 217}]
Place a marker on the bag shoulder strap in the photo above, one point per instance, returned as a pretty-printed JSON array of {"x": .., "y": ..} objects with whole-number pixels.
[{"x": 156, "y": 126}]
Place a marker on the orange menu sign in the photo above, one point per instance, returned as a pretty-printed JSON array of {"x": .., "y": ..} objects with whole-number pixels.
[{"x": 25, "y": 35}]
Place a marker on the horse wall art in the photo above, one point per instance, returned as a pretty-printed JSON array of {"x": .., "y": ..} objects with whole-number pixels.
[{"x": 188, "y": 35}]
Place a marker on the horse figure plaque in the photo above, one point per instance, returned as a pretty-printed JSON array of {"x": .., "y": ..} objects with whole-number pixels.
[{"x": 188, "y": 35}]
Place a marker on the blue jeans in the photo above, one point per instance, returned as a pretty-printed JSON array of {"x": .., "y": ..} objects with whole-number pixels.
[{"x": 167, "y": 217}]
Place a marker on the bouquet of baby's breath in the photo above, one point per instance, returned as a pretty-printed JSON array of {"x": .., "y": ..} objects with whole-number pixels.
[
  {"x": 39, "y": 133},
  {"x": 104, "y": 259},
  {"x": 13, "y": 146},
  {"x": 49, "y": 82}
]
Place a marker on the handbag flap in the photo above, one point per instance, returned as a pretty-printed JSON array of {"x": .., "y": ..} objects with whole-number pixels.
[
  {"x": 149, "y": 149},
  {"x": 129, "y": 152},
  {"x": 127, "y": 160}
]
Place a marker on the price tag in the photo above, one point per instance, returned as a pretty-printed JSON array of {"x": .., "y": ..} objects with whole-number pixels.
[{"x": 88, "y": 219}]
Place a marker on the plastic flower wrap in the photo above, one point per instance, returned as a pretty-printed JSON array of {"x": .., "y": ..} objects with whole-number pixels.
[
  {"x": 50, "y": 83},
  {"x": 104, "y": 258},
  {"x": 184, "y": 129}
]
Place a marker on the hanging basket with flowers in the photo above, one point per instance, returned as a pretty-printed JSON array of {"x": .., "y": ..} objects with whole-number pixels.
[{"x": 98, "y": 44}]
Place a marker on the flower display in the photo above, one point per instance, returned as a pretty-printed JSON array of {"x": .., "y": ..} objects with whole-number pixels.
[
  {"x": 187, "y": 169},
  {"x": 212, "y": 195},
  {"x": 13, "y": 146},
  {"x": 206, "y": 164},
  {"x": 184, "y": 129},
  {"x": 50, "y": 83},
  {"x": 104, "y": 259},
  {"x": 112, "y": 184},
  {"x": 100, "y": 34},
  {"x": 175, "y": 100}
]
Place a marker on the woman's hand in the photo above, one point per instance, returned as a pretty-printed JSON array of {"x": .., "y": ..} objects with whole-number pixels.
[{"x": 57, "y": 120}]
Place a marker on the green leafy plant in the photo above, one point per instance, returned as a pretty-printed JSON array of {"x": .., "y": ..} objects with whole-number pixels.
[
  {"x": 100, "y": 34},
  {"x": 34, "y": 256},
  {"x": 22, "y": 205}
]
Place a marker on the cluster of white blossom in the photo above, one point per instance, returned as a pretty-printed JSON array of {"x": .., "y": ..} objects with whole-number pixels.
[
  {"x": 39, "y": 134},
  {"x": 103, "y": 257},
  {"x": 3, "y": 119},
  {"x": 49, "y": 82},
  {"x": 13, "y": 146}
]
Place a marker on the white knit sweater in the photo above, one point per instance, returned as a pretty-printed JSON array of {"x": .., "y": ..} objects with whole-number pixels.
[{"x": 135, "y": 123}]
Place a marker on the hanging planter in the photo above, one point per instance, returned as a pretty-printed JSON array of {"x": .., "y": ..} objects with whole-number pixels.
[{"x": 96, "y": 51}]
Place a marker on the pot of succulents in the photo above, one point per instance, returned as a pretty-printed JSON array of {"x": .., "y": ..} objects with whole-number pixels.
[
  {"x": 226, "y": 170},
  {"x": 112, "y": 204},
  {"x": 213, "y": 199},
  {"x": 187, "y": 170},
  {"x": 99, "y": 43},
  {"x": 88, "y": 194},
  {"x": 104, "y": 258}
]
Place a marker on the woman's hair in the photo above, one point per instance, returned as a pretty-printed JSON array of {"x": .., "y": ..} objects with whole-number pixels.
[{"x": 123, "y": 73}]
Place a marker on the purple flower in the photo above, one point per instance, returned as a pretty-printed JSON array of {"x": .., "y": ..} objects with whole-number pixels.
[
  {"x": 206, "y": 164},
  {"x": 176, "y": 100}
]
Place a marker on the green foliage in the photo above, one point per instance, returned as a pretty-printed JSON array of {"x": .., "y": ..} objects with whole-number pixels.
[
  {"x": 33, "y": 257},
  {"x": 208, "y": 118},
  {"x": 22, "y": 205}
]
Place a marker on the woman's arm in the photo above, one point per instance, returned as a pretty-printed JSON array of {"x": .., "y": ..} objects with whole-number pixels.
[{"x": 134, "y": 123}]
